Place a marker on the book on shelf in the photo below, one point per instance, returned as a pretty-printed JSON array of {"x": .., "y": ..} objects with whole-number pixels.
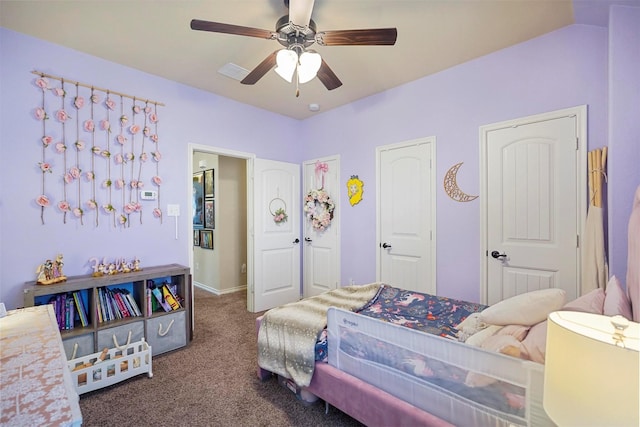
[
  {"x": 132, "y": 302},
  {"x": 82, "y": 312},
  {"x": 170, "y": 298},
  {"x": 98, "y": 307},
  {"x": 157, "y": 293},
  {"x": 120, "y": 308},
  {"x": 116, "y": 303}
]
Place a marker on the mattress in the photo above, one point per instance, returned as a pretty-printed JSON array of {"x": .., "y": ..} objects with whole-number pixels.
[{"x": 431, "y": 372}]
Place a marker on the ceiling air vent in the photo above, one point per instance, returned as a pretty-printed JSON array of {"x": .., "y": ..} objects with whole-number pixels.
[{"x": 234, "y": 71}]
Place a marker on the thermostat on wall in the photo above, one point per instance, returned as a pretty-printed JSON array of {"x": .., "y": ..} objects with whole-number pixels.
[{"x": 148, "y": 195}]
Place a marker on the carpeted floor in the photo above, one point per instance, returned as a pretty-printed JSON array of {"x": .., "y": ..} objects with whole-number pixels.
[{"x": 211, "y": 382}]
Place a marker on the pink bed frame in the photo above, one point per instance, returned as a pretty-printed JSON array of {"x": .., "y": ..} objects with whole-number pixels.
[{"x": 360, "y": 400}]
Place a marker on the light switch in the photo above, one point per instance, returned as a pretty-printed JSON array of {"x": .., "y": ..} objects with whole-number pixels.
[{"x": 173, "y": 210}]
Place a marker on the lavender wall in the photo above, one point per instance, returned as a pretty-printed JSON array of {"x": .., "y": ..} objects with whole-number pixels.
[
  {"x": 190, "y": 116},
  {"x": 562, "y": 69},
  {"x": 624, "y": 129}
]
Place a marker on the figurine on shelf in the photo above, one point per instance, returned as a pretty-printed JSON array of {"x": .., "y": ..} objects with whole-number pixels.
[
  {"x": 123, "y": 266},
  {"x": 98, "y": 267},
  {"x": 111, "y": 269},
  {"x": 136, "y": 265},
  {"x": 51, "y": 272}
]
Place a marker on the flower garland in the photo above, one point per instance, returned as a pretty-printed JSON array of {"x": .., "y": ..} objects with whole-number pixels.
[
  {"x": 100, "y": 172},
  {"x": 45, "y": 167},
  {"x": 319, "y": 208}
]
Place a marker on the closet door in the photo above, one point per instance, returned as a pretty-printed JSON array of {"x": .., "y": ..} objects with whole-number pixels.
[
  {"x": 406, "y": 214},
  {"x": 533, "y": 205}
]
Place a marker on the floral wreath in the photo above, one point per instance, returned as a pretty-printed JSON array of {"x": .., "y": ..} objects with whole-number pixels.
[
  {"x": 319, "y": 208},
  {"x": 280, "y": 214}
]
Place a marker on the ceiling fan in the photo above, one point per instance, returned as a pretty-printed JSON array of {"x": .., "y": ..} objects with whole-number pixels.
[{"x": 297, "y": 32}]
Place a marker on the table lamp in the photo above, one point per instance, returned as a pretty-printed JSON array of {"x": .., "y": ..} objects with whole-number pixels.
[{"x": 591, "y": 370}]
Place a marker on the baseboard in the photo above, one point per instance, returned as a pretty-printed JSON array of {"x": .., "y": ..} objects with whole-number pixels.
[{"x": 217, "y": 291}]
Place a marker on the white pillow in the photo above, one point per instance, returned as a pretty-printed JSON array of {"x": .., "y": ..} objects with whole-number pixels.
[{"x": 524, "y": 309}]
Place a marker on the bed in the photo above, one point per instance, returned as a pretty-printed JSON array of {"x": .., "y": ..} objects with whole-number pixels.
[{"x": 395, "y": 360}]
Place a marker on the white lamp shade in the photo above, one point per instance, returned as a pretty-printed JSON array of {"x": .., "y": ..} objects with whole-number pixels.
[
  {"x": 309, "y": 65},
  {"x": 588, "y": 380},
  {"x": 286, "y": 60}
]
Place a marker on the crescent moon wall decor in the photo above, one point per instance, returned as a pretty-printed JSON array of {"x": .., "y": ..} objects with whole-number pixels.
[{"x": 451, "y": 185}]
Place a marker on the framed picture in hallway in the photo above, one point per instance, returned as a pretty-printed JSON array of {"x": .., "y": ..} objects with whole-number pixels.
[
  {"x": 206, "y": 239},
  {"x": 196, "y": 237},
  {"x": 209, "y": 191},
  {"x": 209, "y": 213},
  {"x": 198, "y": 200}
]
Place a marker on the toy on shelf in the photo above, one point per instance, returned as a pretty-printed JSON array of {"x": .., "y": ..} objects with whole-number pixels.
[
  {"x": 50, "y": 272},
  {"x": 107, "y": 268}
]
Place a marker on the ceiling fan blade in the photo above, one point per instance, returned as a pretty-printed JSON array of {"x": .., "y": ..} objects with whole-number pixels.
[
  {"x": 263, "y": 68},
  {"x": 218, "y": 27},
  {"x": 328, "y": 77},
  {"x": 370, "y": 37},
  {"x": 300, "y": 11}
]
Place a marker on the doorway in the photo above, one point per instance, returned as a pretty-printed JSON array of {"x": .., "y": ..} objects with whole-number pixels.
[{"x": 215, "y": 270}]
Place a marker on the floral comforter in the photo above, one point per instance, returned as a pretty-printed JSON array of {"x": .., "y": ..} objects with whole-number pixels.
[{"x": 428, "y": 313}]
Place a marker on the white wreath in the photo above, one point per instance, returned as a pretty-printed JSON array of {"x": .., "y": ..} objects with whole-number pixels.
[{"x": 319, "y": 207}]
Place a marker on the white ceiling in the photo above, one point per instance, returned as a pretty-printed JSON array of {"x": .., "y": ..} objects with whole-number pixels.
[{"x": 155, "y": 37}]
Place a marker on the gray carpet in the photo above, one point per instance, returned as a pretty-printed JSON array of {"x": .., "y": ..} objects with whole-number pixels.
[{"x": 211, "y": 382}]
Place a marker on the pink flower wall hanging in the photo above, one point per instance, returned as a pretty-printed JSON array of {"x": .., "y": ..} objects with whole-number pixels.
[
  {"x": 40, "y": 114},
  {"x": 78, "y": 102},
  {"x": 42, "y": 83},
  {"x": 64, "y": 206},
  {"x": 62, "y": 116},
  {"x": 45, "y": 167},
  {"x": 43, "y": 201}
]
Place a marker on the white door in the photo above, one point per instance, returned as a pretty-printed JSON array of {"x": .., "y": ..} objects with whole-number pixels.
[
  {"x": 321, "y": 251},
  {"x": 276, "y": 244},
  {"x": 533, "y": 207},
  {"x": 406, "y": 215}
]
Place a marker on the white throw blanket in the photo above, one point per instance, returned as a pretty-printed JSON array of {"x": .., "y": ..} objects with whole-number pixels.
[{"x": 288, "y": 334}]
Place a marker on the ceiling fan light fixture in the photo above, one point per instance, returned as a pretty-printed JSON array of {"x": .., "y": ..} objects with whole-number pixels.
[
  {"x": 309, "y": 65},
  {"x": 286, "y": 60}
]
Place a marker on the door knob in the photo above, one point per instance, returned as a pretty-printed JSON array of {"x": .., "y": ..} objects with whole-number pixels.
[
  {"x": 296, "y": 241},
  {"x": 306, "y": 239},
  {"x": 498, "y": 255},
  {"x": 386, "y": 246}
]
